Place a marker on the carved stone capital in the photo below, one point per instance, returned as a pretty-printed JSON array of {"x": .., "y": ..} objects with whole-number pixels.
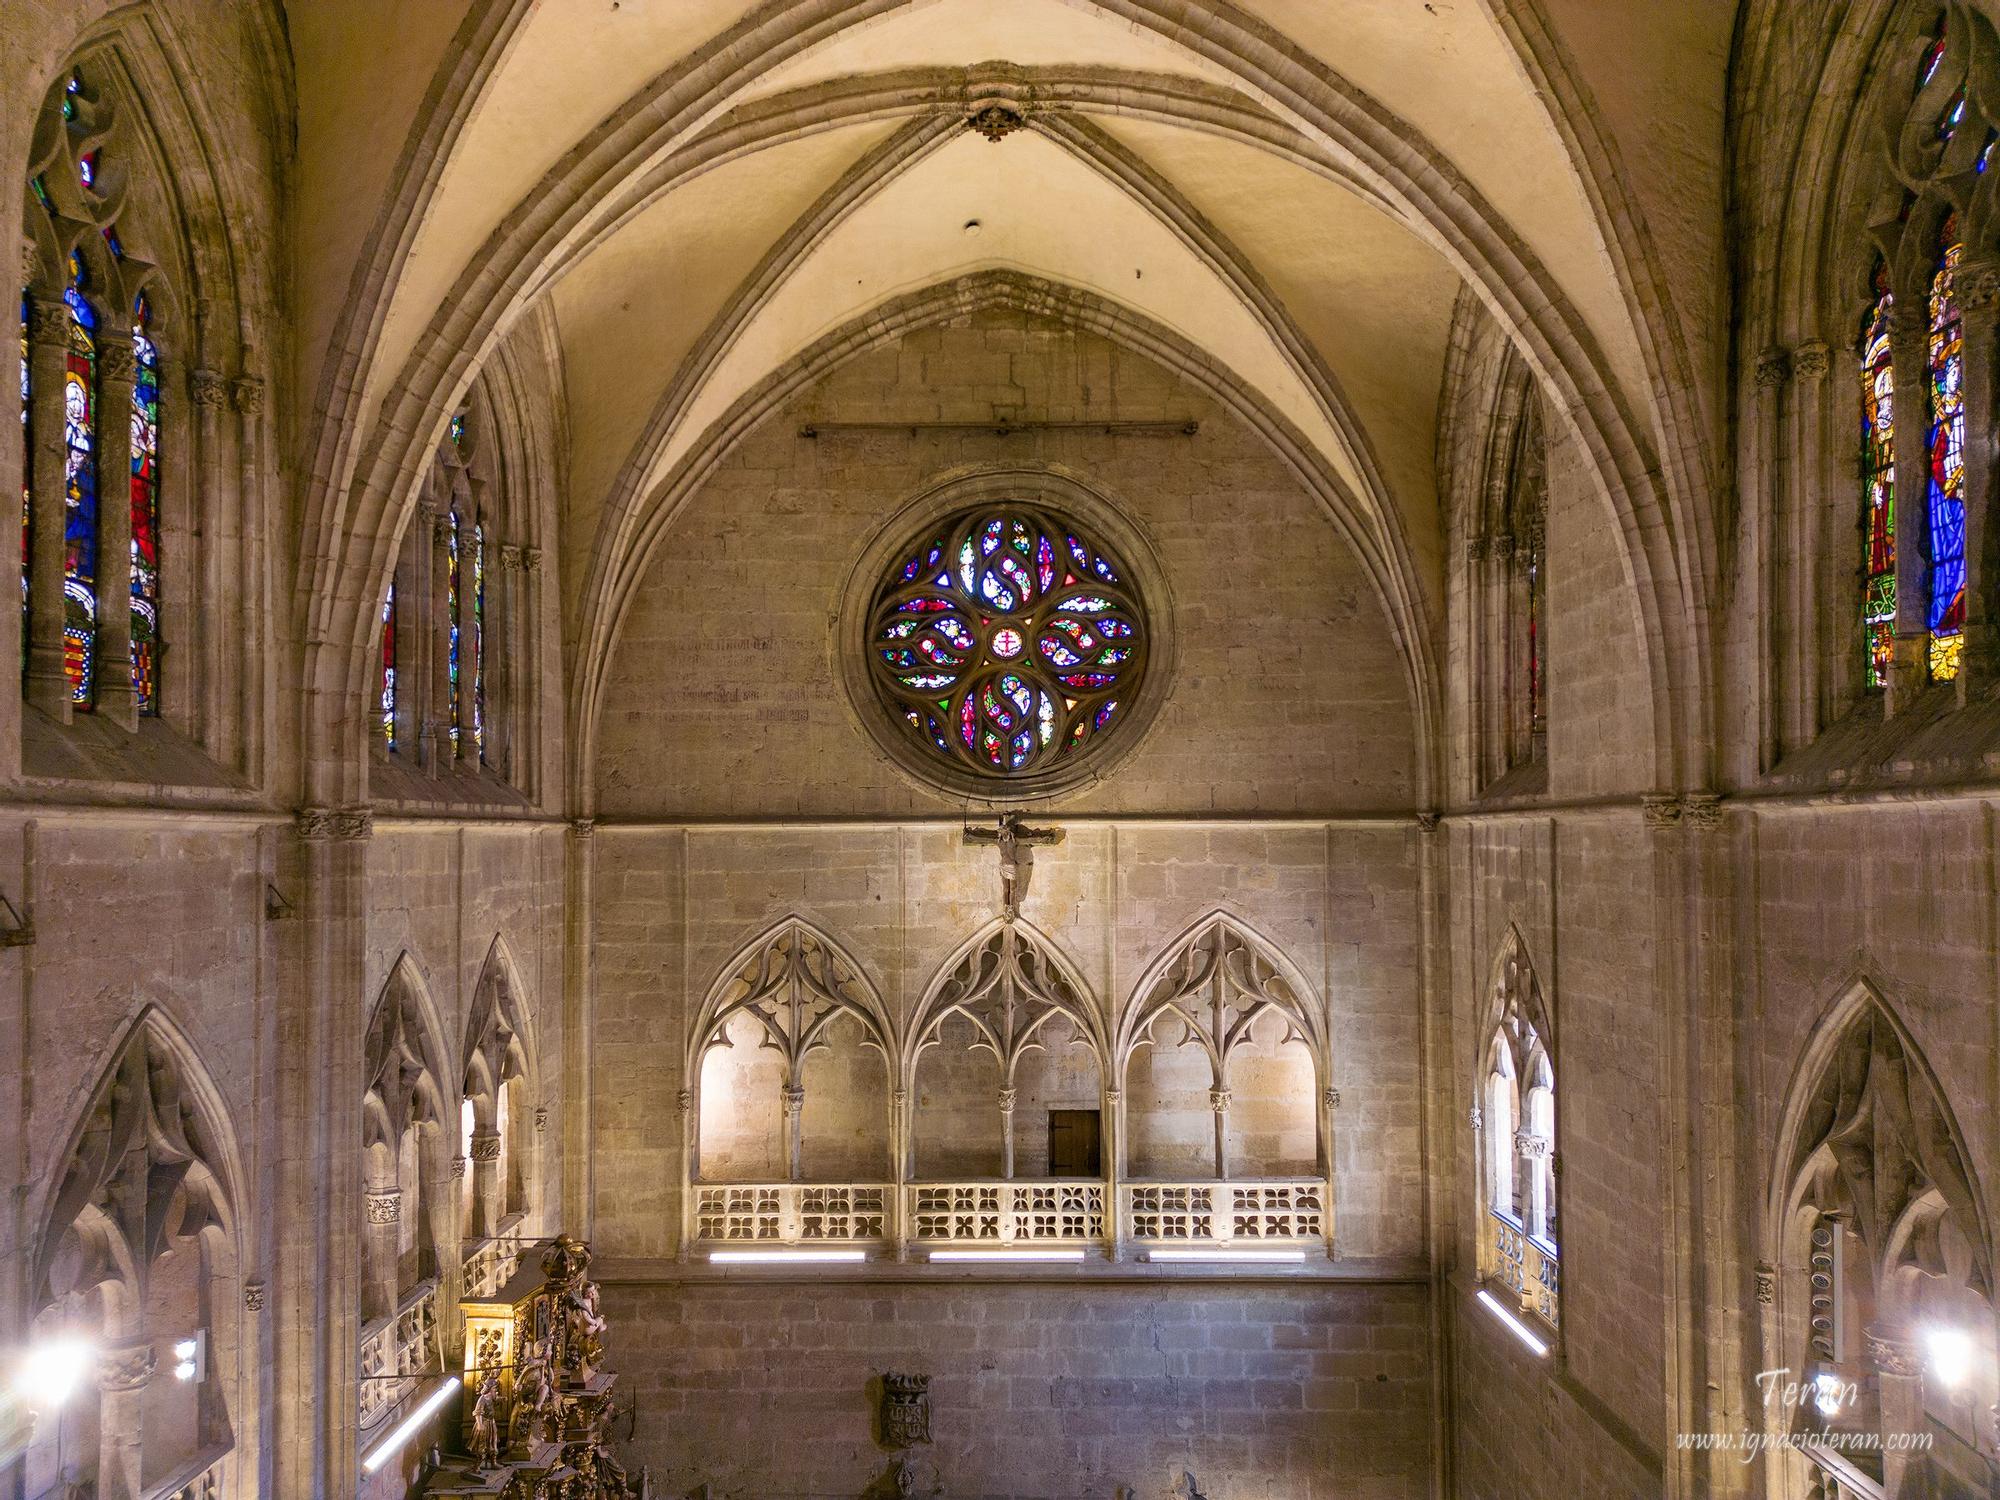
[
  {"x": 1810, "y": 361},
  {"x": 246, "y": 393},
  {"x": 127, "y": 1368},
  {"x": 458, "y": 1166},
  {"x": 795, "y": 1100},
  {"x": 1976, "y": 286},
  {"x": 1767, "y": 1284},
  {"x": 1113, "y": 1097},
  {"x": 1330, "y": 1098},
  {"x": 1909, "y": 322},
  {"x": 48, "y": 322},
  {"x": 1534, "y": 1147},
  {"x": 1473, "y": 1117},
  {"x": 541, "y": 1118},
  {"x": 901, "y": 1098},
  {"x": 441, "y": 528},
  {"x": 1890, "y": 1352},
  {"x": 1218, "y": 1100},
  {"x": 1500, "y": 545},
  {"x": 1007, "y": 1098},
  {"x": 510, "y": 557},
  {"x": 686, "y": 1100},
  {"x": 349, "y": 823},
  {"x": 253, "y": 1296},
  {"x": 1702, "y": 810},
  {"x": 117, "y": 361},
  {"x": 486, "y": 1145},
  {"x": 383, "y": 1207},
  {"x": 531, "y": 559},
  {"x": 1661, "y": 809},
  {"x": 1774, "y": 368},
  {"x": 582, "y": 828},
  {"x": 206, "y": 388},
  {"x": 1429, "y": 822},
  {"x": 1476, "y": 547}
]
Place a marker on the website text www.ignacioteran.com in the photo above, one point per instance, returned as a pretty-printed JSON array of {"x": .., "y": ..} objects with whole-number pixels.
[{"x": 1826, "y": 1394}]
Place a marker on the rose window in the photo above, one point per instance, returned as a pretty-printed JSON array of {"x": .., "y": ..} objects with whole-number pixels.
[{"x": 1007, "y": 640}]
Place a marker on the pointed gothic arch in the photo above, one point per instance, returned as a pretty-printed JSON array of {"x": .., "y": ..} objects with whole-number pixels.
[
  {"x": 408, "y": 1117},
  {"x": 790, "y": 987},
  {"x": 1877, "y": 1239},
  {"x": 1219, "y": 980},
  {"x": 140, "y": 1249},
  {"x": 498, "y": 1084},
  {"x": 1514, "y": 1128},
  {"x": 1011, "y": 985}
]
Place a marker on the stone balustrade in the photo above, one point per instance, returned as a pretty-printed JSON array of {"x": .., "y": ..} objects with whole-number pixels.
[
  {"x": 1277, "y": 1212},
  {"x": 1526, "y": 1265}
]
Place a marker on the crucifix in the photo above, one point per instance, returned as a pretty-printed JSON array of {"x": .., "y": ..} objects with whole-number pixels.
[{"x": 1007, "y": 835}]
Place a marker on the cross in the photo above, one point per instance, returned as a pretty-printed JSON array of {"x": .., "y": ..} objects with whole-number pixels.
[{"x": 1007, "y": 835}]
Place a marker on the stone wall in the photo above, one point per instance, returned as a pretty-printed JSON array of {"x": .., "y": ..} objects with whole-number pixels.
[
  {"x": 673, "y": 907},
  {"x": 1260, "y": 1391},
  {"x": 725, "y": 699}
]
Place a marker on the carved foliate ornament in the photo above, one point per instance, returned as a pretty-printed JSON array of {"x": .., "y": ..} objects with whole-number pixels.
[
  {"x": 906, "y": 1410},
  {"x": 383, "y": 1207},
  {"x": 996, "y": 120}
]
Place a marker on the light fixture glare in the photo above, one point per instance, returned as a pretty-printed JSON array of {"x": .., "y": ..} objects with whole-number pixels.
[
  {"x": 785, "y": 1257},
  {"x": 52, "y": 1371},
  {"x": 1520, "y": 1330},
  {"x": 1951, "y": 1355},
  {"x": 1006, "y": 1255},
  {"x": 411, "y": 1424},
  {"x": 1224, "y": 1254}
]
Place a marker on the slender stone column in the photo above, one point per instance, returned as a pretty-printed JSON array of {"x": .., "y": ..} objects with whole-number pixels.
[
  {"x": 529, "y": 700},
  {"x": 795, "y": 1107},
  {"x": 117, "y": 373},
  {"x": 1762, "y": 564},
  {"x": 468, "y": 634},
  {"x": 209, "y": 681},
  {"x": 437, "y": 710},
  {"x": 502, "y": 715},
  {"x": 1007, "y": 1098},
  {"x": 1806, "y": 608},
  {"x": 123, "y": 1372},
  {"x": 900, "y": 1170},
  {"x": 1110, "y": 1161},
  {"x": 48, "y": 347},
  {"x": 247, "y": 395},
  {"x": 382, "y": 1211},
  {"x": 1899, "y": 1380},
  {"x": 1976, "y": 285},
  {"x": 485, "y": 1183},
  {"x": 1218, "y": 1101}
]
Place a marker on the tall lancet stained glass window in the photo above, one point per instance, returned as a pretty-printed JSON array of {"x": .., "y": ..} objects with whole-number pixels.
[
  {"x": 479, "y": 640},
  {"x": 80, "y": 489},
  {"x": 451, "y": 616},
  {"x": 1946, "y": 481},
  {"x": 1878, "y": 485},
  {"x": 145, "y": 512},
  {"x": 388, "y": 684}
]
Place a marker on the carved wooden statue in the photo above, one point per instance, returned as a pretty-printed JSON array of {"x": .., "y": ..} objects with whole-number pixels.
[{"x": 486, "y": 1422}]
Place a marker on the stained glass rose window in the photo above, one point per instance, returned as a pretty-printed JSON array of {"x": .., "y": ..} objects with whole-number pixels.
[{"x": 1008, "y": 640}]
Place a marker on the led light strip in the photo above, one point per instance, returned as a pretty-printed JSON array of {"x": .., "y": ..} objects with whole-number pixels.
[
  {"x": 1006, "y": 1255},
  {"x": 784, "y": 1257},
  {"x": 415, "y": 1420},
  {"x": 1240, "y": 1257},
  {"x": 1520, "y": 1329}
]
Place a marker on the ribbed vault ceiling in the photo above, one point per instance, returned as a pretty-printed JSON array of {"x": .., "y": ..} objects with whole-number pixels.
[{"x": 702, "y": 189}]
